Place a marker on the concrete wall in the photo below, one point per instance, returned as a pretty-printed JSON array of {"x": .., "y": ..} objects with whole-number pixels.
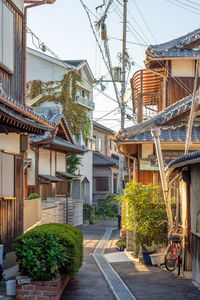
[
  {"x": 10, "y": 142},
  {"x": 183, "y": 68}
]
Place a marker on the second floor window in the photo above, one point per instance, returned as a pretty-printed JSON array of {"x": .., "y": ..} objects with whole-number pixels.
[{"x": 6, "y": 36}]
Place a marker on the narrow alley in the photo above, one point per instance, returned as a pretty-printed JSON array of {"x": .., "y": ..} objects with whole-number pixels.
[{"x": 143, "y": 282}]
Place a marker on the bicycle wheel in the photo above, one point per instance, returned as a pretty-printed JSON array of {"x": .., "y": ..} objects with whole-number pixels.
[
  {"x": 177, "y": 266},
  {"x": 170, "y": 259}
]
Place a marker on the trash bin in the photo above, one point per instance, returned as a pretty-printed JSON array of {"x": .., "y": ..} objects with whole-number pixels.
[{"x": 11, "y": 287}]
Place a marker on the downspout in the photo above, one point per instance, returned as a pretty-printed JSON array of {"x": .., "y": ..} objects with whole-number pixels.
[
  {"x": 34, "y": 4},
  {"x": 36, "y": 168},
  {"x": 156, "y": 135}
]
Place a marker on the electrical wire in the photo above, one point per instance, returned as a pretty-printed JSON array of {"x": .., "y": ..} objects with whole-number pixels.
[
  {"x": 108, "y": 113},
  {"x": 190, "y": 6},
  {"x": 114, "y": 38},
  {"x": 193, "y": 2},
  {"x": 183, "y": 7},
  {"x": 179, "y": 81},
  {"x": 147, "y": 26}
]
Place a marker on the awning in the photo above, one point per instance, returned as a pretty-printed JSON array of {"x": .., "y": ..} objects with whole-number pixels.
[
  {"x": 66, "y": 175},
  {"x": 61, "y": 145},
  {"x": 48, "y": 178}
]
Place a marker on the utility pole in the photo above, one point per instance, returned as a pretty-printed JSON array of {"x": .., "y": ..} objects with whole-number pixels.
[
  {"x": 123, "y": 67},
  {"x": 123, "y": 89}
]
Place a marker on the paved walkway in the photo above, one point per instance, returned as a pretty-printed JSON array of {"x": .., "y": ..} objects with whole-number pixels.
[{"x": 145, "y": 283}]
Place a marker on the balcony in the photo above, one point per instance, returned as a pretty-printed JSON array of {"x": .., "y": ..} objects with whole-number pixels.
[{"x": 84, "y": 102}]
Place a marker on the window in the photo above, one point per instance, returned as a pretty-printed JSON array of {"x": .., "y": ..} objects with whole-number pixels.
[
  {"x": 102, "y": 184},
  {"x": 6, "y": 35}
]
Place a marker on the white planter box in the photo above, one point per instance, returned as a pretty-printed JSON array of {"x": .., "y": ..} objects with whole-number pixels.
[{"x": 157, "y": 258}]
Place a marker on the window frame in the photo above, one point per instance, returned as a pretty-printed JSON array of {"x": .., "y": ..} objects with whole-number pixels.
[{"x": 2, "y": 64}]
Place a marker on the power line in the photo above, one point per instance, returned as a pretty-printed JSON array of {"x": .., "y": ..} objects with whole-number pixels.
[
  {"x": 147, "y": 26},
  {"x": 108, "y": 113},
  {"x": 193, "y": 2},
  {"x": 114, "y": 38},
  {"x": 183, "y": 7},
  {"x": 179, "y": 81},
  {"x": 190, "y": 6}
]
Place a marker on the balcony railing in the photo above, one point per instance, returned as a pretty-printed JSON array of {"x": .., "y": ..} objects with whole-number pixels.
[{"x": 84, "y": 102}]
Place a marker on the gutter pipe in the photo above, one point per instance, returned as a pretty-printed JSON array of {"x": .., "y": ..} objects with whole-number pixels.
[{"x": 156, "y": 135}]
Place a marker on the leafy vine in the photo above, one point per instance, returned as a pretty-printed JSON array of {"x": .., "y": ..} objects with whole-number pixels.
[{"x": 64, "y": 92}]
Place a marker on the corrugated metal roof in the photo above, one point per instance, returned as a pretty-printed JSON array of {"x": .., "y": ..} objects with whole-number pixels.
[
  {"x": 176, "y": 47},
  {"x": 98, "y": 125}
]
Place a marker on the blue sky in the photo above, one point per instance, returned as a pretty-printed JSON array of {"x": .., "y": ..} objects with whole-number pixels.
[{"x": 65, "y": 28}]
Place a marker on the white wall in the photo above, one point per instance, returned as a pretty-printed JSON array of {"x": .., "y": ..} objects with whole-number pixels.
[
  {"x": 147, "y": 149},
  {"x": 41, "y": 69},
  {"x": 61, "y": 162},
  {"x": 31, "y": 169},
  {"x": 183, "y": 68},
  {"x": 10, "y": 142},
  {"x": 86, "y": 169},
  {"x": 44, "y": 162},
  {"x": 19, "y": 4}
]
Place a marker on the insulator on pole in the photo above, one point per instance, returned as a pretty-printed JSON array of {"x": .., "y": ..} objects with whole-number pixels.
[{"x": 103, "y": 32}]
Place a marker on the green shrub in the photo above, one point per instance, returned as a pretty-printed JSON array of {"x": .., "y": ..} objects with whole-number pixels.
[
  {"x": 70, "y": 238},
  {"x": 33, "y": 196},
  {"x": 41, "y": 257},
  {"x": 88, "y": 213},
  {"x": 145, "y": 213},
  {"x": 109, "y": 206}
]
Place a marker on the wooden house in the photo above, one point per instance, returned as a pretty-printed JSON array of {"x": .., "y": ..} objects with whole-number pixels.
[
  {"x": 184, "y": 173},
  {"x": 162, "y": 98},
  {"x": 47, "y": 175},
  {"x": 17, "y": 121},
  {"x": 105, "y": 163}
]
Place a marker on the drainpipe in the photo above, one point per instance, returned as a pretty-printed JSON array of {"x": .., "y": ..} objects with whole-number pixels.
[
  {"x": 32, "y": 4},
  {"x": 156, "y": 135},
  {"x": 36, "y": 169}
]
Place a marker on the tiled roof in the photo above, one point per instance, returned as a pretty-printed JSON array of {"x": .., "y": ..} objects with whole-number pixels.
[
  {"x": 161, "y": 118},
  {"x": 185, "y": 159},
  {"x": 26, "y": 111},
  {"x": 103, "y": 160},
  {"x": 168, "y": 134},
  {"x": 50, "y": 178},
  {"x": 176, "y": 47},
  {"x": 98, "y": 125},
  {"x": 74, "y": 63}
]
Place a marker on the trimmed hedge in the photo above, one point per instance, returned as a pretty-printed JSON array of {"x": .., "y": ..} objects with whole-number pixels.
[{"x": 70, "y": 237}]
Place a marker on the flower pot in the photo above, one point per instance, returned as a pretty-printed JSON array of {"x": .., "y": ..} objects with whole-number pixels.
[
  {"x": 157, "y": 259},
  {"x": 11, "y": 287},
  {"x": 146, "y": 257}
]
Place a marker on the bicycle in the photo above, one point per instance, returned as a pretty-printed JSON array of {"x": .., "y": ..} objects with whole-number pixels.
[{"x": 173, "y": 255}]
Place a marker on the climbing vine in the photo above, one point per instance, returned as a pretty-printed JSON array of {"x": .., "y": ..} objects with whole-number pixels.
[{"x": 64, "y": 92}]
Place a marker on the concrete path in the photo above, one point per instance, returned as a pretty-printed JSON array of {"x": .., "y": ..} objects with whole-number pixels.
[
  {"x": 145, "y": 283},
  {"x": 90, "y": 283}
]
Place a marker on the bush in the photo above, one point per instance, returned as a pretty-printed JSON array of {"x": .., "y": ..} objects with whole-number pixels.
[
  {"x": 33, "y": 196},
  {"x": 41, "y": 257},
  {"x": 109, "y": 207},
  {"x": 88, "y": 213},
  {"x": 70, "y": 238},
  {"x": 146, "y": 213}
]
